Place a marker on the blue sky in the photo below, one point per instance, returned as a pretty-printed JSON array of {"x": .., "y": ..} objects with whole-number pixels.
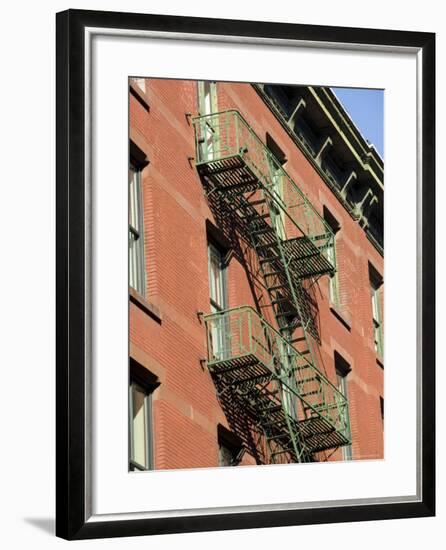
[{"x": 366, "y": 109}]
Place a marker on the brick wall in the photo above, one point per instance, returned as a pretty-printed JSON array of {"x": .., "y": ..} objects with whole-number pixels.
[{"x": 186, "y": 410}]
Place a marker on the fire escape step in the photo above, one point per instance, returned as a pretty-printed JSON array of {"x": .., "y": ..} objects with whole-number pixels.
[
  {"x": 280, "y": 300},
  {"x": 278, "y": 436},
  {"x": 277, "y": 424},
  {"x": 305, "y": 380},
  {"x": 266, "y": 245},
  {"x": 263, "y": 231},
  {"x": 258, "y": 216},
  {"x": 262, "y": 377},
  {"x": 271, "y": 273},
  {"x": 282, "y": 452},
  {"x": 276, "y": 287},
  {"x": 314, "y": 392},
  {"x": 300, "y": 339},
  {"x": 316, "y": 406},
  {"x": 276, "y": 408}
]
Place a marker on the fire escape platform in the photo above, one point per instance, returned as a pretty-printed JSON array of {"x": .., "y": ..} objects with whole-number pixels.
[
  {"x": 231, "y": 174},
  {"x": 240, "y": 370},
  {"x": 319, "y": 435},
  {"x": 252, "y": 387}
]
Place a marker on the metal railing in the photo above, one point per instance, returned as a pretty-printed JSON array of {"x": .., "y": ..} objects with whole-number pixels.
[
  {"x": 241, "y": 332},
  {"x": 227, "y": 135}
]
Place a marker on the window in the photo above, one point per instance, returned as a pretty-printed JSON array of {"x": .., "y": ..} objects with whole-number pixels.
[
  {"x": 142, "y": 385},
  {"x": 207, "y": 104},
  {"x": 342, "y": 371},
  {"x": 207, "y": 97},
  {"x": 333, "y": 283},
  {"x": 217, "y": 278},
  {"x": 140, "y": 400},
  {"x": 381, "y": 407},
  {"x": 376, "y": 295},
  {"x": 230, "y": 449},
  {"x": 277, "y": 207},
  {"x": 218, "y": 297},
  {"x": 137, "y": 270}
]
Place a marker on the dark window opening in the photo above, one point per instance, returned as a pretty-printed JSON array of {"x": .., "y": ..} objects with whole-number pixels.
[
  {"x": 275, "y": 149},
  {"x": 333, "y": 169},
  {"x": 307, "y": 134},
  {"x": 230, "y": 448}
]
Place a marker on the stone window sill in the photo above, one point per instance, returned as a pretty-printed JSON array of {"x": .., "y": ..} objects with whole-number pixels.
[
  {"x": 341, "y": 316},
  {"x": 148, "y": 307},
  {"x": 140, "y": 95}
]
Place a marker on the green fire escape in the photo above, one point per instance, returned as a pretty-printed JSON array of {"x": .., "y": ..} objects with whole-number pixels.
[{"x": 271, "y": 376}]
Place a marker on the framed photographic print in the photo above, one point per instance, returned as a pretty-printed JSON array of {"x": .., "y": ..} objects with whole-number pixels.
[{"x": 232, "y": 199}]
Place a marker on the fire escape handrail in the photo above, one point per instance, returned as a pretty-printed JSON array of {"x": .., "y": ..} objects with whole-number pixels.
[
  {"x": 209, "y": 316},
  {"x": 340, "y": 399},
  {"x": 327, "y": 230}
]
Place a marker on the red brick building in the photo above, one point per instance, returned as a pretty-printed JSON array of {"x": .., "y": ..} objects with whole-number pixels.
[{"x": 256, "y": 271}]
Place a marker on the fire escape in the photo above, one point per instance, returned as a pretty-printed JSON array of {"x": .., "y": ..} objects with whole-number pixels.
[{"x": 271, "y": 376}]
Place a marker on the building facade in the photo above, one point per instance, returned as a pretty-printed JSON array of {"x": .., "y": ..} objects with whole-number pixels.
[{"x": 256, "y": 277}]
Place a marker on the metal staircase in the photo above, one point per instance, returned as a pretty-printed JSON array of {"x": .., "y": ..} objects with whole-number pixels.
[
  {"x": 260, "y": 374},
  {"x": 294, "y": 246}
]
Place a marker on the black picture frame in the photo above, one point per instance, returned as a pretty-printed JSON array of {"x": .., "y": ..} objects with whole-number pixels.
[{"x": 71, "y": 485}]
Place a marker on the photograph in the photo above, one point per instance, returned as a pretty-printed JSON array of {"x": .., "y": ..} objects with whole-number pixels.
[{"x": 255, "y": 274}]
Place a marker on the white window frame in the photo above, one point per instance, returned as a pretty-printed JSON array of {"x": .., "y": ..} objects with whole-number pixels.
[
  {"x": 148, "y": 429},
  {"x": 137, "y": 261},
  {"x": 277, "y": 205},
  {"x": 208, "y": 105},
  {"x": 377, "y": 318},
  {"x": 218, "y": 330},
  {"x": 342, "y": 386},
  {"x": 333, "y": 281}
]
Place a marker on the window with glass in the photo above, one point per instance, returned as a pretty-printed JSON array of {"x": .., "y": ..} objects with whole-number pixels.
[
  {"x": 277, "y": 208},
  {"x": 217, "y": 278},
  {"x": 342, "y": 372},
  {"x": 333, "y": 281},
  {"x": 376, "y": 296},
  {"x": 217, "y": 295},
  {"x": 275, "y": 161},
  {"x": 141, "y": 431},
  {"x": 137, "y": 270},
  {"x": 207, "y": 105},
  {"x": 207, "y": 97},
  {"x": 377, "y": 325}
]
